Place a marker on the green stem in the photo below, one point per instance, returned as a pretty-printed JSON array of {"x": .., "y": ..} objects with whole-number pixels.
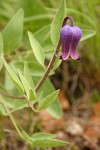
[
  {"x": 11, "y": 96},
  {"x": 11, "y": 117},
  {"x": 50, "y": 65}
]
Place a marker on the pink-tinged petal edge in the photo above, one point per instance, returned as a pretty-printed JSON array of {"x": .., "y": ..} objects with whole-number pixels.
[
  {"x": 77, "y": 34},
  {"x": 74, "y": 55},
  {"x": 65, "y": 54}
]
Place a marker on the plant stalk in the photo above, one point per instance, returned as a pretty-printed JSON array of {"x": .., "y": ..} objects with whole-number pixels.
[
  {"x": 50, "y": 65},
  {"x": 11, "y": 117}
]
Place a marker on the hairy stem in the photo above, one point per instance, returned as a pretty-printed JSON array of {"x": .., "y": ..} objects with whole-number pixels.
[
  {"x": 50, "y": 66},
  {"x": 51, "y": 63}
]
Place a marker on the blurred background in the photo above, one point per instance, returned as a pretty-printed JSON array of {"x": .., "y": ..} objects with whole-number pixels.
[{"x": 79, "y": 81}]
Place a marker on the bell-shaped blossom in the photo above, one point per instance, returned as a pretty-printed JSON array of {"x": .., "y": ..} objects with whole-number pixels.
[{"x": 70, "y": 37}]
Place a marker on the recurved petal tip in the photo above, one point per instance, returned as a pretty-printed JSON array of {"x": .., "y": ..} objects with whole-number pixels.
[
  {"x": 74, "y": 55},
  {"x": 65, "y": 54},
  {"x": 77, "y": 34}
]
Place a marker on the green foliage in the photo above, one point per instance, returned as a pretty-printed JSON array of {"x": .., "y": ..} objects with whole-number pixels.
[
  {"x": 2, "y": 110},
  {"x": 30, "y": 93},
  {"x": 1, "y": 45},
  {"x": 28, "y": 76},
  {"x": 43, "y": 140},
  {"x": 57, "y": 23},
  {"x": 13, "y": 105},
  {"x": 37, "y": 50},
  {"x": 87, "y": 34},
  {"x": 46, "y": 102},
  {"x": 7, "y": 9},
  {"x": 29, "y": 7},
  {"x": 43, "y": 39},
  {"x": 36, "y": 15},
  {"x": 55, "y": 108},
  {"x": 12, "y": 33},
  {"x": 1, "y": 63},
  {"x": 39, "y": 55},
  {"x": 14, "y": 77},
  {"x": 42, "y": 34},
  {"x": 43, "y": 136},
  {"x": 35, "y": 68},
  {"x": 49, "y": 143},
  {"x": 1, "y": 51}
]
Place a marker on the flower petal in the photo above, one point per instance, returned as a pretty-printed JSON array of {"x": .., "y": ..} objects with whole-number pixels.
[
  {"x": 77, "y": 34},
  {"x": 66, "y": 39}
]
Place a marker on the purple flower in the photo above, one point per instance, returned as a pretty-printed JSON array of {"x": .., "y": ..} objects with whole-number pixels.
[{"x": 70, "y": 37}]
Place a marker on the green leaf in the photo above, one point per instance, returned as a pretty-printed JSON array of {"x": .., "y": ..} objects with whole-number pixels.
[
  {"x": 14, "y": 78},
  {"x": 2, "y": 110},
  {"x": 28, "y": 76},
  {"x": 44, "y": 38},
  {"x": 32, "y": 94},
  {"x": 82, "y": 17},
  {"x": 28, "y": 90},
  {"x": 34, "y": 18},
  {"x": 37, "y": 50},
  {"x": 14, "y": 105},
  {"x": 26, "y": 137},
  {"x": 12, "y": 34},
  {"x": 57, "y": 23},
  {"x": 32, "y": 7},
  {"x": 24, "y": 82},
  {"x": 1, "y": 51},
  {"x": 6, "y": 10},
  {"x": 42, "y": 34},
  {"x": 49, "y": 143},
  {"x": 57, "y": 63},
  {"x": 35, "y": 68},
  {"x": 1, "y": 45},
  {"x": 46, "y": 102},
  {"x": 87, "y": 34},
  {"x": 1, "y": 63},
  {"x": 42, "y": 136},
  {"x": 55, "y": 108}
]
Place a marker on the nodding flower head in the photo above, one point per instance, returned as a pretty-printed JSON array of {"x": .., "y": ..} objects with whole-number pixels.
[{"x": 70, "y": 37}]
